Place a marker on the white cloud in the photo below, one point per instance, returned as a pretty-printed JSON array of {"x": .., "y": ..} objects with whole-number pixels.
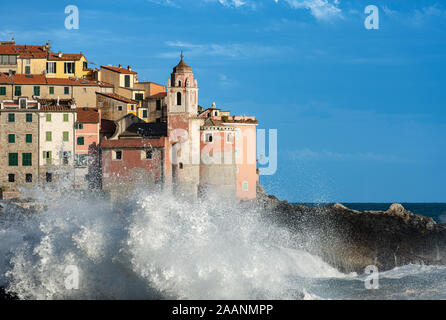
[
  {"x": 231, "y": 50},
  {"x": 320, "y": 9}
]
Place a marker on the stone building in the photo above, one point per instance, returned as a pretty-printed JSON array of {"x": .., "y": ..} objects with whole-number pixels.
[{"x": 19, "y": 144}]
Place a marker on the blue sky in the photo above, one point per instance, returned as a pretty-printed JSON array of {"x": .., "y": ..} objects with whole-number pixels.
[{"x": 361, "y": 114}]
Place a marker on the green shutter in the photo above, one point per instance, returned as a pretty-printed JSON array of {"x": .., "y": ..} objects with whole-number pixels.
[
  {"x": 2, "y": 91},
  {"x": 65, "y": 136},
  {"x": 48, "y": 136},
  {"x": 48, "y": 117},
  {"x": 11, "y": 138},
  {"x": 127, "y": 81},
  {"x": 18, "y": 91},
  {"x": 67, "y": 90},
  {"x": 80, "y": 141},
  {"x": 29, "y": 138},
  {"x": 65, "y": 117},
  {"x": 144, "y": 113},
  {"x": 13, "y": 159},
  {"x": 36, "y": 90},
  {"x": 11, "y": 117},
  {"x": 29, "y": 117},
  {"x": 51, "y": 90},
  {"x": 27, "y": 159}
]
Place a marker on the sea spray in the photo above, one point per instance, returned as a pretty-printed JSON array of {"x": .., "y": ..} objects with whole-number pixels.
[{"x": 158, "y": 247}]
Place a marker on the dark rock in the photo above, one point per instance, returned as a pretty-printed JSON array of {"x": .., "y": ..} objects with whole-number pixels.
[{"x": 351, "y": 240}]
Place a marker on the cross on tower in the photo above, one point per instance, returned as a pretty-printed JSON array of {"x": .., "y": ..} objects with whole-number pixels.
[{"x": 181, "y": 55}]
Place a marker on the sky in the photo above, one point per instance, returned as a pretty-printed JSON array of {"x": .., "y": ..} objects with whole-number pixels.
[{"x": 360, "y": 113}]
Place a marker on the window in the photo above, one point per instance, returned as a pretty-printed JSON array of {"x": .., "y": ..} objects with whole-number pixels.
[
  {"x": 29, "y": 138},
  {"x": 27, "y": 159},
  {"x": 47, "y": 157},
  {"x": 11, "y": 177},
  {"x": 79, "y": 126},
  {"x": 80, "y": 141},
  {"x": 149, "y": 154},
  {"x": 27, "y": 70},
  {"x": 17, "y": 91},
  {"x": 51, "y": 67},
  {"x": 229, "y": 138},
  {"x": 69, "y": 67},
  {"x": 11, "y": 117},
  {"x": 29, "y": 117},
  {"x": 208, "y": 137},
  {"x": 179, "y": 99},
  {"x": 181, "y": 165},
  {"x": 139, "y": 96},
  {"x": 132, "y": 107},
  {"x": 29, "y": 177},
  {"x": 22, "y": 103},
  {"x": 179, "y": 83},
  {"x": 11, "y": 138},
  {"x": 65, "y": 135},
  {"x": 49, "y": 136},
  {"x": 117, "y": 155},
  {"x": 48, "y": 117},
  {"x": 65, "y": 117},
  {"x": 80, "y": 160},
  {"x": 2, "y": 91},
  {"x": 158, "y": 104},
  {"x": 66, "y": 90},
  {"x": 245, "y": 186},
  {"x": 49, "y": 177},
  {"x": 144, "y": 114},
  {"x": 119, "y": 108},
  {"x": 66, "y": 155},
  {"x": 13, "y": 159},
  {"x": 51, "y": 90},
  {"x": 85, "y": 65},
  {"x": 8, "y": 59},
  {"x": 127, "y": 81},
  {"x": 36, "y": 90}
]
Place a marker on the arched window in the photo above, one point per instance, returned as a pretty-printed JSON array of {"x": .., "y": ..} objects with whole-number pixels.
[
  {"x": 179, "y": 83},
  {"x": 179, "y": 98}
]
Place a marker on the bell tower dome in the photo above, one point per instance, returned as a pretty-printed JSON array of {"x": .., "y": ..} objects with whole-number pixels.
[{"x": 182, "y": 90}]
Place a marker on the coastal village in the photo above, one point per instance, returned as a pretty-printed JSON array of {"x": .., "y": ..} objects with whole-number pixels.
[{"x": 62, "y": 121}]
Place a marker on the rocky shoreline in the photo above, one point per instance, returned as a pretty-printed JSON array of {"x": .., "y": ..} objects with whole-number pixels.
[{"x": 350, "y": 240}]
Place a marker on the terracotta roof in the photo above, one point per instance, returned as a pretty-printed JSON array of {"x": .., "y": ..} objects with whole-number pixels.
[
  {"x": 117, "y": 97},
  {"x": 57, "y": 108},
  {"x": 87, "y": 115},
  {"x": 119, "y": 70},
  {"x": 24, "y": 51},
  {"x": 182, "y": 67},
  {"x": 158, "y": 95},
  {"x": 41, "y": 79},
  {"x": 132, "y": 143},
  {"x": 29, "y": 79},
  {"x": 53, "y": 102},
  {"x": 54, "y": 56}
]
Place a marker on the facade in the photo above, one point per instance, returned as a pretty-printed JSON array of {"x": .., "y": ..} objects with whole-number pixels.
[
  {"x": 32, "y": 59},
  {"x": 57, "y": 144},
  {"x": 114, "y": 106},
  {"x": 19, "y": 144},
  {"x": 86, "y": 158},
  {"x": 40, "y": 86}
]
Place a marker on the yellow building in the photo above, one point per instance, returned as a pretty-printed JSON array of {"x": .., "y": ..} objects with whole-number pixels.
[{"x": 32, "y": 59}]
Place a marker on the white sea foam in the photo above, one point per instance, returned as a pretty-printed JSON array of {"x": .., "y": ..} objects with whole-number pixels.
[{"x": 157, "y": 247}]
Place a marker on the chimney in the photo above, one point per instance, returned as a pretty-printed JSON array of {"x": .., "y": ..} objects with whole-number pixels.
[
  {"x": 129, "y": 68},
  {"x": 120, "y": 66},
  {"x": 60, "y": 54}
]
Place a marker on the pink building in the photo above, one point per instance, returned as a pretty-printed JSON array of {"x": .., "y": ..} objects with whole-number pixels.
[{"x": 86, "y": 159}]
